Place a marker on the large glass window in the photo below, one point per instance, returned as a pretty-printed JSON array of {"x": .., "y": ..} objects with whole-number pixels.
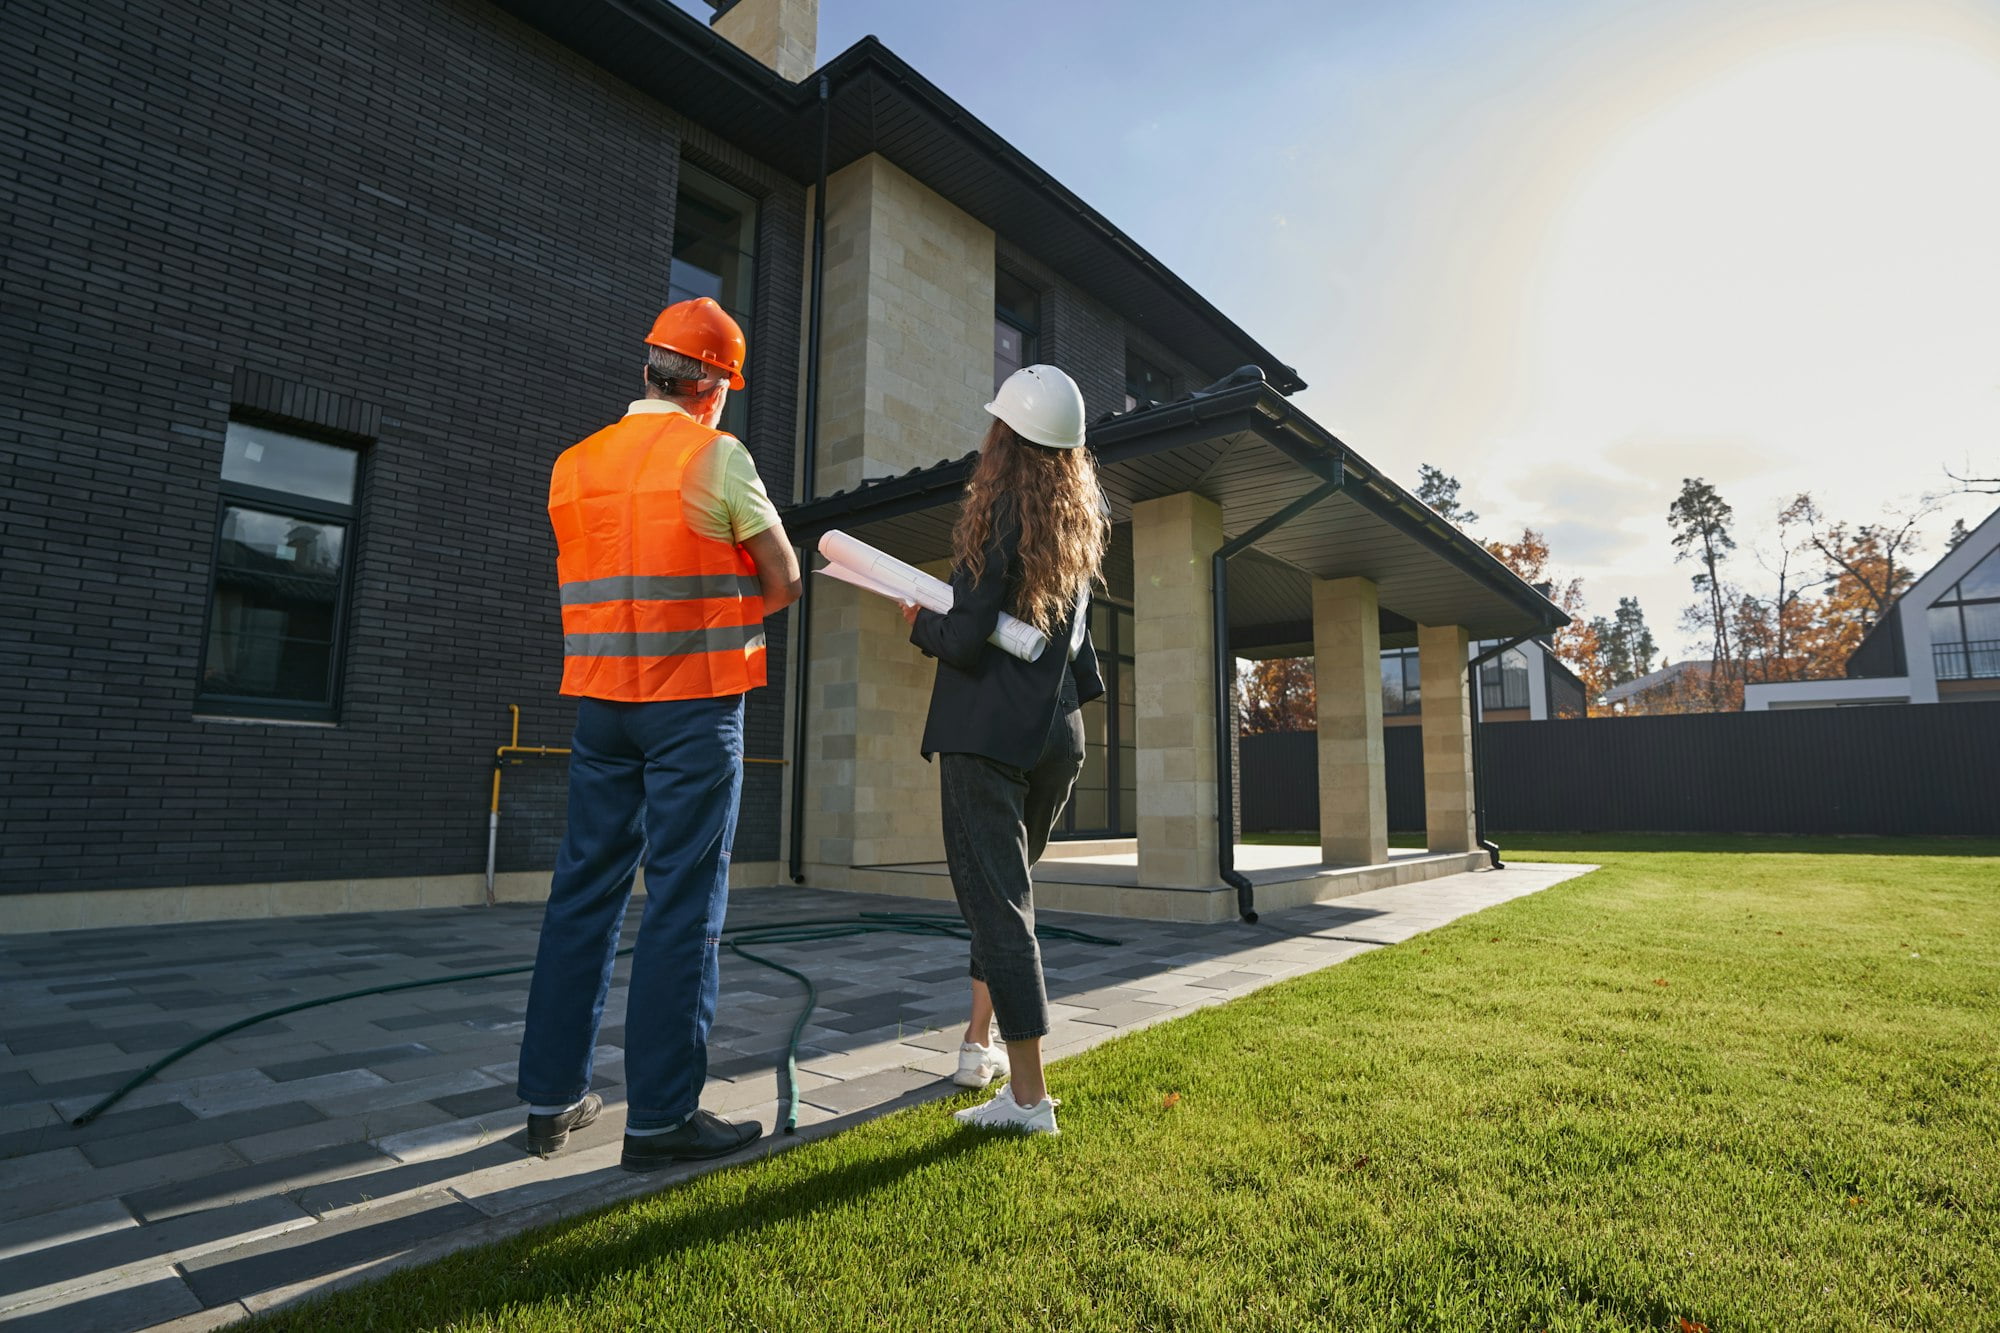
[
  {"x": 283, "y": 545},
  {"x": 1503, "y": 681},
  {"x": 1402, "y": 685},
  {"x": 1965, "y": 625},
  {"x": 1105, "y": 801},
  {"x": 1145, "y": 383},
  {"x": 715, "y": 255},
  {"x": 1017, "y": 325}
]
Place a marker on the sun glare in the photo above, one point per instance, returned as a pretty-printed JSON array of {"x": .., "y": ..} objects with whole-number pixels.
[{"x": 1799, "y": 253}]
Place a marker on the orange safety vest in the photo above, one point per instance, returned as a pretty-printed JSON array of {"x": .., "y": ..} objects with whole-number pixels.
[{"x": 651, "y": 609}]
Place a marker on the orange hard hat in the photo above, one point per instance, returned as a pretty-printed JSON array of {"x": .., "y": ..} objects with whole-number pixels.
[{"x": 703, "y": 330}]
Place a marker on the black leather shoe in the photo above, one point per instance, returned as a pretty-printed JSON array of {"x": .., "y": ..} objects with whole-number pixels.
[
  {"x": 704, "y": 1135},
  {"x": 548, "y": 1133}
]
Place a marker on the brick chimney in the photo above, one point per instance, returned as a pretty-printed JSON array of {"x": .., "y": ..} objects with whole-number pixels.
[{"x": 784, "y": 34}]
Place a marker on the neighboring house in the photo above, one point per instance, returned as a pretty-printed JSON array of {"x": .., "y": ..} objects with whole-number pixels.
[
  {"x": 290, "y": 358},
  {"x": 1647, "y": 693},
  {"x": 1527, "y": 683},
  {"x": 1940, "y": 642}
]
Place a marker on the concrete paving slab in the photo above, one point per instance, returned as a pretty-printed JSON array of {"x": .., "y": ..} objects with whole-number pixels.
[{"x": 395, "y": 1137}]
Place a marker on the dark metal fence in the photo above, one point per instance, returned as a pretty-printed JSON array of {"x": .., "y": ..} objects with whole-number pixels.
[{"x": 1923, "y": 768}]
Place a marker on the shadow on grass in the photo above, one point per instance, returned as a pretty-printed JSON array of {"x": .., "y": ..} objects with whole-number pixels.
[
  {"x": 1720, "y": 844},
  {"x": 555, "y": 1263}
]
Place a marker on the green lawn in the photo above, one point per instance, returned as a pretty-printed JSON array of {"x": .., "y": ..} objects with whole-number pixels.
[{"x": 1744, "y": 1085}]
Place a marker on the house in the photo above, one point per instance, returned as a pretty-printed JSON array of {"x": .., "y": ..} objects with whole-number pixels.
[
  {"x": 288, "y": 360},
  {"x": 1647, "y": 693},
  {"x": 1525, "y": 683},
  {"x": 1940, "y": 642}
]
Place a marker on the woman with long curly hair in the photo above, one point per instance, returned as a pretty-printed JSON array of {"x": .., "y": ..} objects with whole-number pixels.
[{"x": 1029, "y": 541}]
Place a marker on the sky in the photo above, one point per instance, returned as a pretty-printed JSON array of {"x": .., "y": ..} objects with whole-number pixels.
[{"x": 1570, "y": 251}]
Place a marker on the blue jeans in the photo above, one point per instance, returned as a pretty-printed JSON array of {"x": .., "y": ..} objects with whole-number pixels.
[{"x": 658, "y": 783}]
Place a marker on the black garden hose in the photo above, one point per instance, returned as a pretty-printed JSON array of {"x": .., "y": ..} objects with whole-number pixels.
[{"x": 792, "y": 932}]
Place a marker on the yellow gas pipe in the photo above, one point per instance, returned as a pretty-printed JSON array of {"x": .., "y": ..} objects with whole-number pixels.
[{"x": 514, "y": 747}]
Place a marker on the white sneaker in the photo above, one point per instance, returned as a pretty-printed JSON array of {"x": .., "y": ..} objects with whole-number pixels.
[
  {"x": 1003, "y": 1112},
  {"x": 979, "y": 1065}
]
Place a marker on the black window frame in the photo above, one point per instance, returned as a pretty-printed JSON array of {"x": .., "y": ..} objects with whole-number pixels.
[
  {"x": 237, "y": 494},
  {"x": 694, "y": 177},
  {"x": 1976, "y": 659},
  {"x": 1026, "y": 323},
  {"x": 1493, "y": 678},
  {"x": 1413, "y": 683},
  {"x": 1133, "y": 403},
  {"x": 1114, "y": 659}
]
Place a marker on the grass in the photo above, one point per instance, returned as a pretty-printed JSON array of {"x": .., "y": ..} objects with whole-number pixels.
[{"x": 1747, "y": 1089}]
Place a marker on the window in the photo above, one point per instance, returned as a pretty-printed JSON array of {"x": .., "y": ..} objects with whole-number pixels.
[
  {"x": 1146, "y": 385},
  {"x": 1017, "y": 325},
  {"x": 1965, "y": 625},
  {"x": 283, "y": 546},
  {"x": 715, "y": 255},
  {"x": 1105, "y": 801},
  {"x": 1503, "y": 681},
  {"x": 1402, "y": 685}
]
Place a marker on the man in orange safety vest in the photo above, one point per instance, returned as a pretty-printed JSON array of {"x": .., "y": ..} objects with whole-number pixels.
[{"x": 670, "y": 556}]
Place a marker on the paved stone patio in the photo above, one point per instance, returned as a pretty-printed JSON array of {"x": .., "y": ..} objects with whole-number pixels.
[{"x": 337, "y": 1143}]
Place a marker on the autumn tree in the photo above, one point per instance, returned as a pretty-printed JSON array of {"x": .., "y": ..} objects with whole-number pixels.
[
  {"x": 1440, "y": 491},
  {"x": 1700, "y": 520},
  {"x": 1277, "y": 694},
  {"x": 1872, "y": 556},
  {"x": 1861, "y": 582},
  {"x": 1576, "y": 643}
]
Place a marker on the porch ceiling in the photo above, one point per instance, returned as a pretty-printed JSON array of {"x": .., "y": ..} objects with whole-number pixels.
[{"x": 1252, "y": 452}]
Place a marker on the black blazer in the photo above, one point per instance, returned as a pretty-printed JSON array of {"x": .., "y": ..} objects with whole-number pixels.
[{"x": 987, "y": 701}]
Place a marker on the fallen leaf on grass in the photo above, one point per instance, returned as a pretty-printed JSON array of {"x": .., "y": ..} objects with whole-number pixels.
[
  {"x": 1659, "y": 981},
  {"x": 1854, "y": 1201},
  {"x": 1692, "y": 1325},
  {"x": 1172, "y": 1100},
  {"x": 1358, "y": 1162}
]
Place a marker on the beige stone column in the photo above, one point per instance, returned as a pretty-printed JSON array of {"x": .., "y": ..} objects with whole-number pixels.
[
  {"x": 1174, "y": 540},
  {"x": 1441, "y": 661},
  {"x": 1347, "y": 679}
]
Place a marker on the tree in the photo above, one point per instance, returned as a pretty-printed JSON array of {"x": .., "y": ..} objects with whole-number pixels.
[
  {"x": 1576, "y": 642},
  {"x": 1278, "y": 694},
  {"x": 1700, "y": 520},
  {"x": 1625, "y": 644},
  {"x": 1769, "y": 630},
  {"x": 1440, "y": 491},
  {"x": 1859, "y": 584},
  {"x": 1959, "y": 532},
  {"x": 1969, "y": 483},
  {"x": 1871, "y": 555}
]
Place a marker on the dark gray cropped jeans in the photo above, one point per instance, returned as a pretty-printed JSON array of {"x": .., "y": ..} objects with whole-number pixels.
[{"x": 996, "y": 825}]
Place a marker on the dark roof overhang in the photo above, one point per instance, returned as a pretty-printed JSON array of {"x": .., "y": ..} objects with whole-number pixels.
[
  {"x": 1253, "y": 452},
  {"x": 879, "y": 104}
]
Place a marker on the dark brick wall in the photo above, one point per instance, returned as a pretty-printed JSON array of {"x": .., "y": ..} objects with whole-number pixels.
[
  {"x": 1084, "y": 336},
  {"x": 425, "y": 216}
]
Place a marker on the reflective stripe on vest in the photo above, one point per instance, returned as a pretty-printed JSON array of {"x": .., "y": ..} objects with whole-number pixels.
[
  {"x": 719, "y": 639},
  {"x": 651, "y": 609},
  {"x": 660, "y": 588}
]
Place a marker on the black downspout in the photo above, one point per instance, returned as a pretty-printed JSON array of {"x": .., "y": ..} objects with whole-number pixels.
[
  {"x": 1487, "y": 845},
  {"x": 1225, "y": 763},
  {"x": 1225, "y": 766},
  {"x": 801, "y": 643}
]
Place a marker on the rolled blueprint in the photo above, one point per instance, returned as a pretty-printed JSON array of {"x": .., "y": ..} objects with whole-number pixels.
[{"x": 854, "y": 561}]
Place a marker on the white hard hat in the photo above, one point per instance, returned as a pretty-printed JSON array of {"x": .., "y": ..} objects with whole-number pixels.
[{"x": 1043, "y": 405}]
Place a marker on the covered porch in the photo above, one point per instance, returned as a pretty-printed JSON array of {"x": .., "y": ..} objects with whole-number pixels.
[{"x": 1242, "y": 529}]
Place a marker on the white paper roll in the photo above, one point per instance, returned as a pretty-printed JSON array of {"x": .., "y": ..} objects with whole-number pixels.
[{"x": 863, "y": 566}]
